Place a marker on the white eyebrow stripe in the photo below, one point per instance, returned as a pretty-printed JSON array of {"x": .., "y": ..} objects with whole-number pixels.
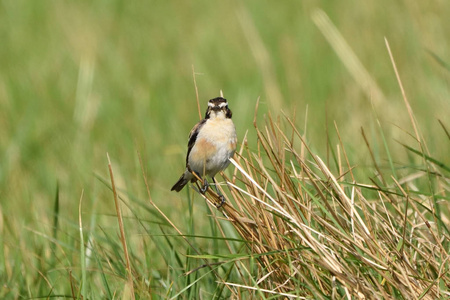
[{"x": 223, "y": 104}]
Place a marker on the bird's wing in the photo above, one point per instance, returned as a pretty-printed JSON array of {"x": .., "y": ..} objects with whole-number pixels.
[{"x": 193, "y": 137}]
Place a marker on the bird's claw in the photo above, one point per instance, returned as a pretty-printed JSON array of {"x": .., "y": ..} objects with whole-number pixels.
[
  {"x": 222, "y": 201},
  {"x": 204, "y": 187}
]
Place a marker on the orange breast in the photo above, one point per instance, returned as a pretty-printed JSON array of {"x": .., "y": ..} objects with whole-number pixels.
[{"x": 202, "y": 150}]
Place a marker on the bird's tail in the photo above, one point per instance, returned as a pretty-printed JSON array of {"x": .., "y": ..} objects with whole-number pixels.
[{"x": 180, "y": 183}]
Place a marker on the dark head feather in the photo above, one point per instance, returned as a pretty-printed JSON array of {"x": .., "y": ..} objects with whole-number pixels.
[{"x": 217, "y": 104}]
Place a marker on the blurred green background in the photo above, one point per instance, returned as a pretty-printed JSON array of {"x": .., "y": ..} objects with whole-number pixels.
[{"x": 79, "y": 79}]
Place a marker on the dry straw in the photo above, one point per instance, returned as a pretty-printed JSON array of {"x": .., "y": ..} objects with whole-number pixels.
[{"x": 318, "y": 234}]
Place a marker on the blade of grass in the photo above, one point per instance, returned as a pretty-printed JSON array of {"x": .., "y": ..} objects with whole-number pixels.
[
  {"x": 122, "y": 231},
  {"x": 167, "y": 218},
  {"x": 405, "y": 99},
  {"x": 347, "y": 56},
  {"x": 102, "y": 274},
  {"x": 196, "y": 93},
  {"x": 428, "y": 158},
  {"x": 386, "y": 148},
  {"x": 445, "y": 129},
  {"x": 56, "y": 212},
  {"x": 82, "y": 254},
  {"x": 439, "y": 60}
]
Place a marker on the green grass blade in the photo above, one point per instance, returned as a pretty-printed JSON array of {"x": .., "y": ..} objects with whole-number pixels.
[{"x": 428, "y": 158}]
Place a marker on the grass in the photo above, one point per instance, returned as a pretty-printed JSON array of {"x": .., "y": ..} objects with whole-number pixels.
[
  {"x": 339, "y": 189},
  {"x": 317, "y": 235}
]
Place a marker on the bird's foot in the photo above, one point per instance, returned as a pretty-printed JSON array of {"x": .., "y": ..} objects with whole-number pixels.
[
  {"x": 204, "y": 187},
  {"x": 222, "y": 201}
]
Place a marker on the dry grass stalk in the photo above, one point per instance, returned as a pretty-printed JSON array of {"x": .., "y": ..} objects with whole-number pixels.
[
  {"x": 130, "y": 284},
  {"x": 320, "y": 235}
]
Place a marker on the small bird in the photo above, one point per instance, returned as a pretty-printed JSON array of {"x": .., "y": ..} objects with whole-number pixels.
[{"x": 212, "y": 142}]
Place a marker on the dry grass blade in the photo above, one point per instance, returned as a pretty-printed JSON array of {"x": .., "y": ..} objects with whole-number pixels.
[
  {"x": 408, "y": 106},
  {"x": 196, "y": 93},
  {"x": 316, "y": 234},
  {"x": 347, "y": 56},
  {"x": 122, "y": 231}
]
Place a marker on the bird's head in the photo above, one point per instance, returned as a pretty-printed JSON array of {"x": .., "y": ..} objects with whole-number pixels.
[{"x": 218, "y": 108}]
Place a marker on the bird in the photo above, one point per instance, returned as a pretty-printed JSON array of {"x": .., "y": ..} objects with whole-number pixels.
[{"x": 212, "y": 142}]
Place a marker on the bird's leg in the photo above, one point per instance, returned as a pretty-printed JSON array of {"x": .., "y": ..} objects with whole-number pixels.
[
  {"x": 222, "y": 198},
  {"x": 205, "y": 186}
]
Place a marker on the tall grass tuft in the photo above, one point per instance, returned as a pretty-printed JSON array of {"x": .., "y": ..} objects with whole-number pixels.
[{"x": 316, "y": 231}]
